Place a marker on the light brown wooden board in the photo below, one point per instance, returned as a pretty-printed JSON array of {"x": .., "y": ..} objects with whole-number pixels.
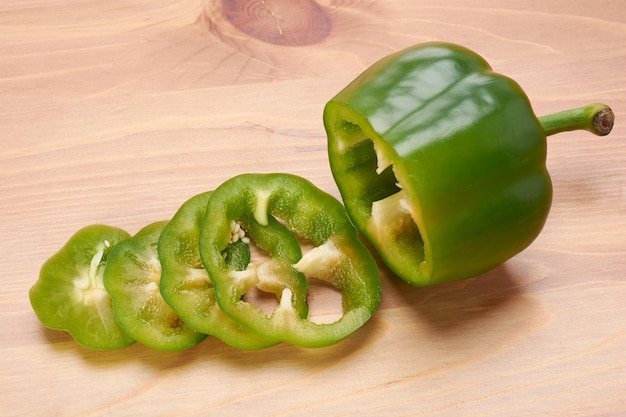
[{"x": 117, "y": 111}]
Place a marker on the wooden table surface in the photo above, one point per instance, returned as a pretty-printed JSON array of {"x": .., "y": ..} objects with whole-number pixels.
[{"x": 117, "y": 111}]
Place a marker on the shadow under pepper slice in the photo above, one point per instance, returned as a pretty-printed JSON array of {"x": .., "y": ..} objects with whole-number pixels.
[
  {"x": 273, "y": 209},
  {"x": 186, "y": 285},
  {"x": 70, "y": 295},
  {"x": 441, "y": 162},
  {"x": 132, "y": 278}
]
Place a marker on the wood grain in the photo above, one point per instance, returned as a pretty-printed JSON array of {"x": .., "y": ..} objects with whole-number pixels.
[{"x": 116, "y": 112}]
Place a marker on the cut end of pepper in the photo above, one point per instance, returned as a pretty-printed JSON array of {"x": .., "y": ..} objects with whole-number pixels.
[{"x": 374, "y": 195}]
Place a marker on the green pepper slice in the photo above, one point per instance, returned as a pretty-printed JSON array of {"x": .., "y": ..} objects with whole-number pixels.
[
  {"x": 271, "y": 207},
  {"x": 70, "y": 294},
  {"x": 441, "y": 162},
  {"x": 185, "y": 283},
  {"x": 132, "y": 278}
]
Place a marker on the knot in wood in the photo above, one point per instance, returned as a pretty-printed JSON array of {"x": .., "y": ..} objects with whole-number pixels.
[{"x": 279, "y": 22}]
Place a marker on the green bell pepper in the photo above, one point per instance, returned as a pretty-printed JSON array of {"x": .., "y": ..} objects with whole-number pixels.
[
  {"x": 185, "y": 284},
  {"x": 132, "y": 278},
  {"x": 70, "y": 294},
  {"x": 441, "y": 162},
  {"x": 277, "y": 212}
]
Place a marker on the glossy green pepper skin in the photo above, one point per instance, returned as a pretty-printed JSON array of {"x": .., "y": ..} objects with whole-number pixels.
[
  {"x": 277, "y": 211},
  {"x": 440, "y": 162}
]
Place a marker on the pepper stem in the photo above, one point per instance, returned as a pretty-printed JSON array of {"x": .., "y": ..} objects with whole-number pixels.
[{"x": 596, "y": 118}]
